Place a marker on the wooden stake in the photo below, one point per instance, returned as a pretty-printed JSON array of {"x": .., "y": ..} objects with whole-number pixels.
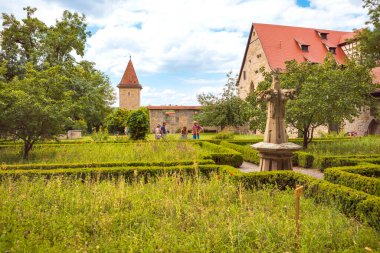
[{"x": 298, "y": 192}]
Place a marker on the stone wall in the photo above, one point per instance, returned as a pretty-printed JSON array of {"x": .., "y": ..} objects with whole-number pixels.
[
  {"x": 255, "y": 59},
  {"x": 365, "y": 123},
  {"x": 129, "y": 98},
  {"x": 175, "y": 119}
]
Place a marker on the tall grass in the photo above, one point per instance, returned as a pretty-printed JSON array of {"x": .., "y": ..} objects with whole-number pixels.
[
  {"x": 105, "y": 152},
  {"x": 362, "y": 145},
  {"x": 173, "y": 214}
]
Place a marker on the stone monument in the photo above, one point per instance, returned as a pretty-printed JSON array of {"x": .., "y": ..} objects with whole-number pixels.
[{"x": 275, "y": 151}]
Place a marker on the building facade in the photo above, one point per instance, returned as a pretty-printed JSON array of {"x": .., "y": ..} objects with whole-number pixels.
[
  {"x": 129, "y": 89},
  {"x": 270, "y": 46}
]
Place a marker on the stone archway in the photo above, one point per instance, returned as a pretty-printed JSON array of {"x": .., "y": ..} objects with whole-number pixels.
[{"x": 374, "y": 127}]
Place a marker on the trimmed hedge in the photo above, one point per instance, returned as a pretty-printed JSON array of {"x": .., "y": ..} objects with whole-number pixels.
[
  {"x": 345, "y": 177},
  {"x": 248, "y": 153},
  {"x": 309, "y": 160},
  {"x": 101, "y": 173},
  {"x": 222, "y": 155},
  {"x": 95, "y": 165},
  {"x": 350, "y": 201}
]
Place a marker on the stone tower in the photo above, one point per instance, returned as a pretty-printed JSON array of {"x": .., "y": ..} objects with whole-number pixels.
[{"x": 129, "y": 89}]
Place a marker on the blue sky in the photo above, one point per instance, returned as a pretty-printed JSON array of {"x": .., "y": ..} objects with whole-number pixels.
[{"x": 181, "y": 48}]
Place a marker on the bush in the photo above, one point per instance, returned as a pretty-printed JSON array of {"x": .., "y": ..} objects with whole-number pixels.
[
  {"x": 138, "y": 124},
  {"x": 101, "y": 135},
  {"x": 305, "y": 159},
  {"x": 98, "y": 165},
  {"x": 222, "y": 155},
  {"x": 224, "y": 135},
  {"x": 347, "y": 178},
  {"x": 116, "y": 121},
  {"x": 249, "y": 154}
]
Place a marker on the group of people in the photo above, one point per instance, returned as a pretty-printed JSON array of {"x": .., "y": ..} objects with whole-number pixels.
[{"x": 160, "y": 131}]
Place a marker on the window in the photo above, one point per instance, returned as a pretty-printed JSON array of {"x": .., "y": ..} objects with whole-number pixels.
[
  {"x": 258, "y": 56},
  {"x": 323, "y": 36},
  {"x": 305, "y": 48},
  {"x": 244, "y": 77},
  {"x": 332, "y": 50},
  {"x": 129, "y": 93}
]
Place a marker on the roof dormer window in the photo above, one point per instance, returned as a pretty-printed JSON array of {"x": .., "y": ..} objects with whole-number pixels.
[
  {"x": 303, "y": 45},
  {"x": 305, "y": 48},
  {"x": 322, "y": 34}
]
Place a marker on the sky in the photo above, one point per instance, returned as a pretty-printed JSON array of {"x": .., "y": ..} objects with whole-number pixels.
[{"x": 182, "y": 48}]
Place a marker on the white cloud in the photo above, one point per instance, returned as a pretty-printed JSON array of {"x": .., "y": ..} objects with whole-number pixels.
[{"x": 175, "y": 36}]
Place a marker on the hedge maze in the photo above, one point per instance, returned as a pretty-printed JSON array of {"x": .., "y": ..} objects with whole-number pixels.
[{"x": 351, "y": 182}]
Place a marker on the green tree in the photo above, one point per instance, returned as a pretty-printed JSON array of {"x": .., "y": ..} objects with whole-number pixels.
[
  {"x": 117, "y": 120},
  {"x": 138, "y": 124},
  {"x": 28, "y": 47},
  {"x": 34, "y": 107},
  {"x": 227, "y": 109},
  {"x": 325, "y": 93},
  {"x": 369, "y": 37}
]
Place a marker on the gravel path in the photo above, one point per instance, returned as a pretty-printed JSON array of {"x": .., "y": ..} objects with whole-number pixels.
[{"x": 251, "y": 167}]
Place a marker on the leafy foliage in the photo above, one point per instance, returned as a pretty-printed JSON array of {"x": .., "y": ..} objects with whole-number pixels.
[
  {"x": 46, "y": 91},
  {"x": 369, "y": 38},
  {"x": 116, "y": 121},
  {"x": 138, "y": 124},
  {"x": 326, "y": 93},
  {"x": 224, "y": 110},
  {"x": 35, "y": 106}
]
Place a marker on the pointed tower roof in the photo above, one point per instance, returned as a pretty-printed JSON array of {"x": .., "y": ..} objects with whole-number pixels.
[{"x": 129, "y": 79}]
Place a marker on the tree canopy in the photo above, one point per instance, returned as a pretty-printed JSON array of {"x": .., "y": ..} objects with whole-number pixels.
[
  {"x": 227, "y": 109},
  {"x": 369, "y": 38},
  {"x": 326, "y": 93},
  {"x": 46, "y": 89}
]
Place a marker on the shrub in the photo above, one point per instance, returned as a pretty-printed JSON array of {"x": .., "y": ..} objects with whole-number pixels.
[
  {"x": 138, "y": 124},
  {"x": 248, "y": 153},
  {"x": 101, "y": 135},
  {"x": 224, "y": 135},
  {"x": 116, "y": 121},
  {"x": 222, "y": 155},
  {"x": 305, "y": 159},
  {"x": 347, "y": 178}
]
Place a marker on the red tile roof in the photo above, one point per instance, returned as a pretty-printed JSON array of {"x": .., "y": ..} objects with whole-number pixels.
[
  {"x": 174, "y": 107},
  {"x": 129, "y": 79},
  {"x": 280, "y": 46}
]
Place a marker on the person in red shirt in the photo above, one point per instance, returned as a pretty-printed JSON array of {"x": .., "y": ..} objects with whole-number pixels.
[{"x": 196, "y": 130}]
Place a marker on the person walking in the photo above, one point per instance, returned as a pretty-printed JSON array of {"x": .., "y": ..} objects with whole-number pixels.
[
  {"x": 163, "y": 130},
  {"x": 184, "y": 133},
  {"x": 157, "y": 132},
  {"x": 196, "y": 129}
]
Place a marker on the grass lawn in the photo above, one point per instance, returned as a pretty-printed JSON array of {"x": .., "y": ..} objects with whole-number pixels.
[
  {"x": 172, "y": 214},
  {"x": 354, "y": 146},
  {"x": 105, "y": 152}
]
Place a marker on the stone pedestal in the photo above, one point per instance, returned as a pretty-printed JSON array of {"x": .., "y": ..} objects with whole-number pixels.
[
  {"x": 275, "y": 156},
  {"x": 74, "y": 134}
]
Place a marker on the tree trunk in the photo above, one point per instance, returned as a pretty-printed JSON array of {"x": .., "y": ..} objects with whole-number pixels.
[
  {"x": 305, "y": 138},
  {"x": 27, "y": 147}
]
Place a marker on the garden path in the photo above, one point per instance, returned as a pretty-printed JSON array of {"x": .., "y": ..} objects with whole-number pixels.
[{"x": 251, "y": 167}]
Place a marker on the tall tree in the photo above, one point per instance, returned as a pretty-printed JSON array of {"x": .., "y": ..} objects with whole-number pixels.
[
  {"x": 224, "y": 110},
  {"x": 369, "y": 38},
  {"x": 32, "y": 50},
  {"x": 34, "y": 107},
  {"x": 325, "y": 93}
]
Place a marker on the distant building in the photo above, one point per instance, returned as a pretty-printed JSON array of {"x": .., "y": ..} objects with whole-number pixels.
[
  {"x": 129, "y": 89},
  {"x": 270, "y": 46},
  {"x": 175, "y": 117}
]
